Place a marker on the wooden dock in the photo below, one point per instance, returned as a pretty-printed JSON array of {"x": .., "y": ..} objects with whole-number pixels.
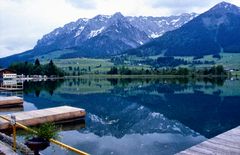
[
  {"x": 10, "y": 101},
  {"x": 227, "y": 143},
  {"x": 11, "y": 109},
  {"x": 36, "y": 117}
]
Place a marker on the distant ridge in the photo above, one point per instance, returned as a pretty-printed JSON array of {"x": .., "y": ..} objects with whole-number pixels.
[{"x": 216, "y": 30}]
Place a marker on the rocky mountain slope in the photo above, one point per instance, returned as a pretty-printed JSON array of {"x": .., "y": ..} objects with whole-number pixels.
[{"x": 216, "y": 30}]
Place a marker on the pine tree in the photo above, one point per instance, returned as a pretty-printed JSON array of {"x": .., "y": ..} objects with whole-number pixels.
[{"x": 37, "y": 62}]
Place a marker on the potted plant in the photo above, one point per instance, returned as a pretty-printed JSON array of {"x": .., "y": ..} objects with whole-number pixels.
[{"x": 39, "y": 140}]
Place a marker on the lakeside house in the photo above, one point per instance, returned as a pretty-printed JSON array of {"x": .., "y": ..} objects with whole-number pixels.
[
  {"x": 7, "y": 74},
  {"x": 8, "y": 80}
]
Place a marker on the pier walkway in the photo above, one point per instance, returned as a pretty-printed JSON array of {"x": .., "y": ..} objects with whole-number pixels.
[
  {"x": 227, "y": 143},
  {"x": 10, "y": 101},
  {"x": 36, "y": 117}
]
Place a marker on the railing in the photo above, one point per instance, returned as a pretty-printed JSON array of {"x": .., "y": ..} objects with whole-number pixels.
[
  {"x": 15, "y": 124},
  {"x": 18, "y": 86}
]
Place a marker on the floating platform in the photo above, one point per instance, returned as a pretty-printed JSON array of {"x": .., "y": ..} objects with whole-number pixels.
[
  {"x": 227, "y": 143},
  {"x": 10, "y": 101},
  {"x": 36, "y": 117}
]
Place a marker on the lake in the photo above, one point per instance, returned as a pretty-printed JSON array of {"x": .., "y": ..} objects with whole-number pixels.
[{"x": 139, "y": 116}]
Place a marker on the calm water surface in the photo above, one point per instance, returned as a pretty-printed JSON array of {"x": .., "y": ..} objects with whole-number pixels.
[{"x": 139, "y": 116}]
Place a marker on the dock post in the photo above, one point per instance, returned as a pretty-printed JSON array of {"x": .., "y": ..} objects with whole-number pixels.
[{"x": 13, "y": 123}]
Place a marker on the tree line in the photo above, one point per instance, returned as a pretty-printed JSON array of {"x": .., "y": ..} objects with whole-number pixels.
[
  {"x": 166, "y": 61},
  {"x": 27, "y": 68},
  {"x": 214, "y": 71}
]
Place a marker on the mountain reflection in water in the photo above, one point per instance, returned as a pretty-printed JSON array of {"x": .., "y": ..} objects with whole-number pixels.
[{"x": 140, "y": 116}]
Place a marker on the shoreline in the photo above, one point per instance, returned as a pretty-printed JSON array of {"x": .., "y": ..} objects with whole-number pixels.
[{"x": 143, "y": 76}]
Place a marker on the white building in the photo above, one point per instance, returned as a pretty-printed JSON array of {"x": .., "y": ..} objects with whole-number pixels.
[{"x": 7, "y": 74}]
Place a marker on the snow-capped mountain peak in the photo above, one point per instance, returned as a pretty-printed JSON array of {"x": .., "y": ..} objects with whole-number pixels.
[
  {"x": 225, "y": 7},
  {"x": 94, "y": 33},
  {"x": 156, "y": 26},
  {"x": 126, "y": 32}
]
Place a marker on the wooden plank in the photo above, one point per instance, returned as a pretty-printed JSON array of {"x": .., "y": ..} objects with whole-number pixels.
[
  {"x": 36, "y": 117},
  {"x": 10, "y": 101},
  {"x": 218, "y": 148},
  {"x": 229, "y": 139},
  {"x": 200, "y": 150},
  {"x": 232, "y": 132},
  {"x": 11, "y": 109},
  {"x": 227, "y": 143}
]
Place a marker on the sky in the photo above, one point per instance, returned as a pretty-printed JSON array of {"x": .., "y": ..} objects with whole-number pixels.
[{"x": 23, "y": 22}]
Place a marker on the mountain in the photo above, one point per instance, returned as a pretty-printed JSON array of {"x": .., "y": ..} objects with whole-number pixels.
[
  {"x": 157, "y": 26},
  {"x": 111, "y": 38},
  {"x": 108, "y": 35},
  {"x": 212, "y": 32},
  {"x": 100, "y": 36}
]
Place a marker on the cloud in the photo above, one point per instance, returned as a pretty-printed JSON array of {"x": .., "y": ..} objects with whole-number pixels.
[
  {"x": 23, "y": 22},
  {"x": 83, "y": 4},
  {"x": 180, "y": 6}
]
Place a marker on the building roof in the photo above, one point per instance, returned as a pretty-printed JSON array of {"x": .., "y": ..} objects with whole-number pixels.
[{"x": 6, "y": 69}]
